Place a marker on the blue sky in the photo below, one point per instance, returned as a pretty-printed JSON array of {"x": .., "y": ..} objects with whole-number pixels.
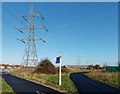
[{"x": 88, "y": 30}]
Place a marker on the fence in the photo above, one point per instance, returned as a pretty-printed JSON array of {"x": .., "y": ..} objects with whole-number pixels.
[{"x": 112, "y": 68}]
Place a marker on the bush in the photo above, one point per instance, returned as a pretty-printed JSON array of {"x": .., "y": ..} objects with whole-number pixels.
[
  {"x": 63, "y": 70},
  {"x": 97, "y": 66},
  {"x": 90, "y": 67},
  {"x": 46, "y": 67}
]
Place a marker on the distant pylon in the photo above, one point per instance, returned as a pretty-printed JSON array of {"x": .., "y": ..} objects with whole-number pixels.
[
  {"x": 78, "y": 60},
  {"x": 30, "y": 57}
]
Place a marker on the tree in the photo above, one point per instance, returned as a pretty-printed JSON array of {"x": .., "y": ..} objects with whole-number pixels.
[
  {"x": 97, "y": 66},
  {"x": 45, "y": 66},
  {"x": 90, "y": 67},
  {"x": 64, "y": 70}
]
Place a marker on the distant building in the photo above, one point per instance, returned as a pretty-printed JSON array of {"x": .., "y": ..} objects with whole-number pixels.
[
  {"x": 76, "y": 66},
  {"x": 4, "y": 66}
]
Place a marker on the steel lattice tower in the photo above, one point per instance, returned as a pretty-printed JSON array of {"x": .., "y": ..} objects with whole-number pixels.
[
  {"x": 30, "y": 54},
  {"x": 78, "y": 60}
]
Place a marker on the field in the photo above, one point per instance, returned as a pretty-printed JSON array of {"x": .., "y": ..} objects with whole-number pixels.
[
  {"x": 47, "y": 79},
  {"x": 67, "y": 85},
  {"x": 109, "y": 78},
  {"x": 5, "y": 87}
]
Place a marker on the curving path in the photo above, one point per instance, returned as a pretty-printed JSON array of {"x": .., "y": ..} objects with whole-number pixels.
[
  {"x": 22, "y": 86},
  {"x": 88, "y": 86}
]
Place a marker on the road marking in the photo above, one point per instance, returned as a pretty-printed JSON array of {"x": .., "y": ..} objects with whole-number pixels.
[{"x": 39, "y": 92}]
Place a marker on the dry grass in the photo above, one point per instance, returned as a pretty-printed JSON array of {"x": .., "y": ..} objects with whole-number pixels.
[
  {"x": 83, "y": 70},
  {"x": 23, "y": 71},
  {"x": 110, "y": 78}
]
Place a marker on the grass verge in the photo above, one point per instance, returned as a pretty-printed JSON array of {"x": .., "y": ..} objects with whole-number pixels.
[
  {"x": 5, "y": 87},
  {"x": 106, "y": 77}
]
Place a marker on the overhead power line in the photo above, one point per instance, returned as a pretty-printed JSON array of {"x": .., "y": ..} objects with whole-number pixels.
[
  {"x": 50, "y": 34},
  {"x": 14, "y": 16},
  {"x": 6, "y": 34}
]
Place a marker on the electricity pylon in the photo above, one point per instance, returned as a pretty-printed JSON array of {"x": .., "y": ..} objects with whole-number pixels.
[
  {"x": 78, "y": 60},
  {"x": 30, "y": 54}
]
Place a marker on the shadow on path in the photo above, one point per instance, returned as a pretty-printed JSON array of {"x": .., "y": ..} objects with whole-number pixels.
[{"x": 88, "y": 86}]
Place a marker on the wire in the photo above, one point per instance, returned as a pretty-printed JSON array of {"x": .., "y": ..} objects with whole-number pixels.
[
  {"x": 6, "y": 34},
  {"x": 7, "y": 23},
  {"x": 47, "y": 30},
  {"x": 18, "y": 12},
  {"x": 38, "y": 11},
  {"x": 14, "y": 16}
]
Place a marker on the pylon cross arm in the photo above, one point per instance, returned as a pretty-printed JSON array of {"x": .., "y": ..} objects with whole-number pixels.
[
  {"x": 32, "y": 15},
  {"x": 40, "y": 27},
  {"x": 27, "y": 28},
  {"x": 30, "y": 39}
]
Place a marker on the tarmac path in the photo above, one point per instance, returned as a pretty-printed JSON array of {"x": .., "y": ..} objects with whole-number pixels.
[
  {"x": 22, "y": 86},
  {"x": 88, "y": 86}
]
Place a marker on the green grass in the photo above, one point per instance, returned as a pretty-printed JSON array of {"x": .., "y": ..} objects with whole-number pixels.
[
  {"x": 5, "y": 87},
  {"x": 107, "y": 78},
  {"x": 66, "y": 83}
]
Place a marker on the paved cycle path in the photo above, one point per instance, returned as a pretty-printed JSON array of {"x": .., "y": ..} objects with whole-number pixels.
[
  {"x": 22, "y": 86},
  {"x": 88, "y": 86}
]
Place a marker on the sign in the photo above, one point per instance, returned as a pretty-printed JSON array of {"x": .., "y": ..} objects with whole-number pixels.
[{"x": 58, "y": 59}]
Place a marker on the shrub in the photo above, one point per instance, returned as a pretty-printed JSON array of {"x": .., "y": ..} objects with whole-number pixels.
[
  {"x": 97, "y": 66},
  {"x": 45, "y": 66},
  {"x": 90, "y": 67},
  {"x": 63, "y": 70}
]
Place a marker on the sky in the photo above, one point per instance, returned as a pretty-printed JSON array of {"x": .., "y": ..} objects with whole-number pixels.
[{"x": 85, "y": 29}]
